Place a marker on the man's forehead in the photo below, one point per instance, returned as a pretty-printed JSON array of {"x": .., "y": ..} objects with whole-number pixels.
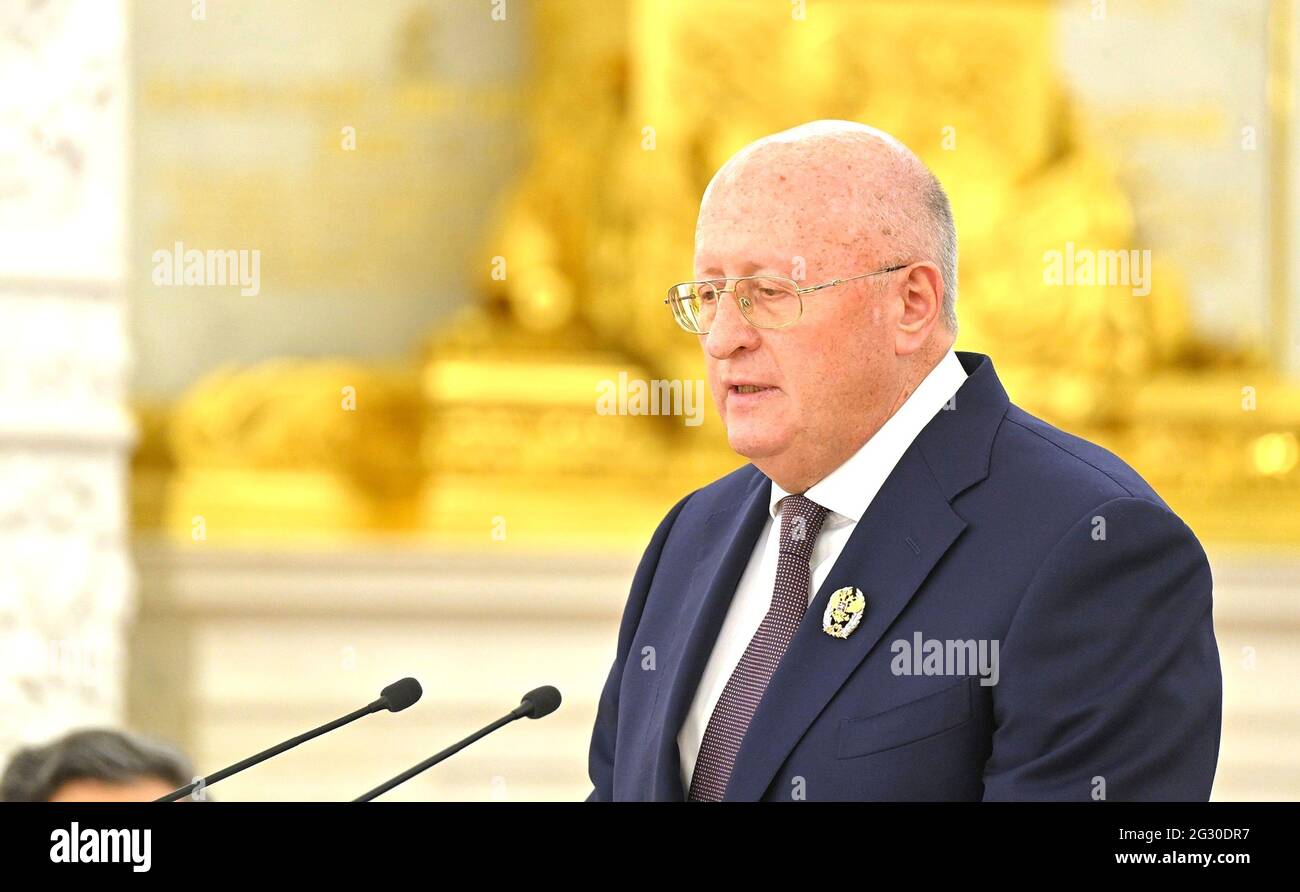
[
  {"x": 801, "y": 206},
  {"x": 742, "y": 257},
  {"x": 777, "y": 239},
  {"x": 782, "y": 185},
  {"x": 743, "y": 263}
]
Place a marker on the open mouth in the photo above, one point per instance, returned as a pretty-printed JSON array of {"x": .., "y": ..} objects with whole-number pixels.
[{"x": 744, "y": 394}]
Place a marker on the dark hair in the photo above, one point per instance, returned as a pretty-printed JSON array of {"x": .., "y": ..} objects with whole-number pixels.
[{"x": 34, "y": 773}]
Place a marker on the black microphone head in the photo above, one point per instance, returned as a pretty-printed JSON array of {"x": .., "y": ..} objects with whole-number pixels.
[
  {"x": 541, "y": 701},
  {"x": 401, "y": 694}
]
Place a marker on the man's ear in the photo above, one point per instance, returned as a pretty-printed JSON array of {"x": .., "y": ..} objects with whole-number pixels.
[{"x": 921, "y": 303}]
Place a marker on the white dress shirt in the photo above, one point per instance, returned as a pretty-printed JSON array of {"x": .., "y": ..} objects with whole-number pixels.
[{"x": 846, "y": 492}]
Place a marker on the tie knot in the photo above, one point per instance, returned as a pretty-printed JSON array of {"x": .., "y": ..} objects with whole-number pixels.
[{"x": 801, "y": 521}]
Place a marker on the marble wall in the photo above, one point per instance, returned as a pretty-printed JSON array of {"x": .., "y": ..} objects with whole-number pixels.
[
  {"x": 357, "y": 147},
  {"x": 1178, "y": 93},
  {"x": 236, "y": 650},
  {"x": 66, "y": 582}
]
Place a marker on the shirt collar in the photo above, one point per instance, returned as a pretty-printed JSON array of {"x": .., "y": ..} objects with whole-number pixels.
[{"x": 848, "y": 491}]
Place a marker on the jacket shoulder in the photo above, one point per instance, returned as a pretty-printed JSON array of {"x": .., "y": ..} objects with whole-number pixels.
[{"x": 1067, "y": 464}]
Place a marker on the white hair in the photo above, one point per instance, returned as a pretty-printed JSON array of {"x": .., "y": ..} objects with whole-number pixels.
[{"x": 943, "y": 240}]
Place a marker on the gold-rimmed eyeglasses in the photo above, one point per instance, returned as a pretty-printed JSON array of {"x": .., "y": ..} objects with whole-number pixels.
[{"x": 764, "y": 301}]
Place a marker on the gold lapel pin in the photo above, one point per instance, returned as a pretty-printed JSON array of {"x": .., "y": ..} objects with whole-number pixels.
[{"x": 844, "y": 612}]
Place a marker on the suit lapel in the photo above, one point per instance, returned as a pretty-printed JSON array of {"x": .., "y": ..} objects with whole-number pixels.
[
  {"x": 733, "y": 531},
  {"x": 907, "y": 528}
]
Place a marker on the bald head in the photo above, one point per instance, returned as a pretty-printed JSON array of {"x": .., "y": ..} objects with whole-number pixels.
[{"x": 850, "y": 183}]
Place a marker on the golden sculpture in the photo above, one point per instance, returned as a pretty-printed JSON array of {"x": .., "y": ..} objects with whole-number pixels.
[{"x": 285, "y": 448}]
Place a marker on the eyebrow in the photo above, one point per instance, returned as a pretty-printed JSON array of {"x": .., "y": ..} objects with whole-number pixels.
[{"x": 748, "y": 267}]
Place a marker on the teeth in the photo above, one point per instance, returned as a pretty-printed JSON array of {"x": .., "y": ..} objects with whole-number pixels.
[{"x": 749, "y": 388}]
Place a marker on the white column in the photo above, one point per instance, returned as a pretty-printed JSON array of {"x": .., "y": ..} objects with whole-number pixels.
[{"x": 66, "y": 588}]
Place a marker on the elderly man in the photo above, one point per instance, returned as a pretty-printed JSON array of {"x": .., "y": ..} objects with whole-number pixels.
[{"x": 915, "y": 590}]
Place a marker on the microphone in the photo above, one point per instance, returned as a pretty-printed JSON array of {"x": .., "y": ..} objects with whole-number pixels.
[
  {"x": 394, "y": 698},
  {"x": 536, "y": 704}
]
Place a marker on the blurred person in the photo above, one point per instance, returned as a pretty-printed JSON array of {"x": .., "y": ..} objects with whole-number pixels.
[
  {"x": 95, "y": 766},
  {"x": 915, "y": 590}
]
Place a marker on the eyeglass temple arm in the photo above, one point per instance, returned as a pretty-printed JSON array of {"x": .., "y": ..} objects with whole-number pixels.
[{"x": 834, "y": 282}]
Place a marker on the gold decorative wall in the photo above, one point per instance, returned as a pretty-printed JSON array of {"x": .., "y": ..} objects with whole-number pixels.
[{"x": 629, "y": 109}]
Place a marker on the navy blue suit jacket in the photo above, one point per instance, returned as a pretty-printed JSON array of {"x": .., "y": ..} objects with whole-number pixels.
[{"x": 996, "y": 526}]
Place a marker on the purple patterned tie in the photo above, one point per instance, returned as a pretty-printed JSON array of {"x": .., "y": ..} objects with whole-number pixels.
[{"x": 801, "y": 520}]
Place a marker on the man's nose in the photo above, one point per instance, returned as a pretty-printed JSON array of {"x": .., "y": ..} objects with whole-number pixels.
[{"x": 730, "y": 330}]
